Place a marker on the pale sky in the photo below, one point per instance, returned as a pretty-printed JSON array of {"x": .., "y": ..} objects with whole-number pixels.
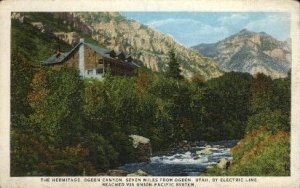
[{"x": 192, "y": 28}]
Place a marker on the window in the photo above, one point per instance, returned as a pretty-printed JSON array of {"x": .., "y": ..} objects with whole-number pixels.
[
  {"x": 100, "y": 61},
  {"x": 89, "y": 72},
  {"x": 99, "y": 71}
]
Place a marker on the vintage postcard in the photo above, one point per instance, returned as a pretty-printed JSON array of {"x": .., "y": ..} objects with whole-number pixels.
[{"x": 149, "y": 93}]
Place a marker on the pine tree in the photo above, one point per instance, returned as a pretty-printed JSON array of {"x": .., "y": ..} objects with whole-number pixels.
[{"x": 174, "y": 67}]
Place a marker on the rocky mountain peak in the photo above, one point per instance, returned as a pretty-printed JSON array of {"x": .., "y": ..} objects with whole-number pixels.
[
  {"x": 251, "y": 52},
  {"x": 245, "y": 31}
]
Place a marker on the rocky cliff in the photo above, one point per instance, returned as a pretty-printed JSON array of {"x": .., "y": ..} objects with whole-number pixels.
[
  {"x": 147, "y": 45},
  {"x": 250, "y": 52},
  {"x": 111, "y": 30}
]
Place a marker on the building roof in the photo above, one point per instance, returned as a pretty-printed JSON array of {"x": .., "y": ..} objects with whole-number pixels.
[
  {"x": 102, "y": 51},
  {"x": 61, "y": 57},
  {"x": 56, "y": 58}
]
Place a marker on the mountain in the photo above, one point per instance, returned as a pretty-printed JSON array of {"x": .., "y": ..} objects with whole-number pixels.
[
  {"x": 250, "y": 52},
  {"x": 111, "y": 30}
]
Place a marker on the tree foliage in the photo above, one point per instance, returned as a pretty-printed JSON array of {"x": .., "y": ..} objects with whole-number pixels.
[{"x": 173, "y": 70}]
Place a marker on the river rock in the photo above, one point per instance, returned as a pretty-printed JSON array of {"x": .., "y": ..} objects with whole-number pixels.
[
  {"x": 139, "y": 173},
  {"x": 116, "y": 172},
  {"x": 223, "y": 163},
  {"x": 142, "y": 145},
  {"x": 178, "y": 156},
  {"x": 205, "y": 151}
]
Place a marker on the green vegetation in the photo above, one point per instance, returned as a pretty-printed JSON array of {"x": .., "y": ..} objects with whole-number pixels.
[
  {"x": 32, "y": 44},
  {"x": 53, "y": 24},
  {"x": 227, "y": 102},
  {"x": 266, "y": 155},
  {"x": 174, "y": 67},
  {"x": 46, "y": 18},
  {"x": 64, "y": 125},
  {"x": 265, "y": 149},
  {"x": 260, "y": 153}
]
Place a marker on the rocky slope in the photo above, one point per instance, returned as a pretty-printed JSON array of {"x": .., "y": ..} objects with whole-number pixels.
[
  {"x": 111, "y": 30},
  {"x": 250, "y": 52},
  {"x": 148, "y": 46}
]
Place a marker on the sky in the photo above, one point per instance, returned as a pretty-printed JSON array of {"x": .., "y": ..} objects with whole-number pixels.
[{"x": 192, "y": 28}]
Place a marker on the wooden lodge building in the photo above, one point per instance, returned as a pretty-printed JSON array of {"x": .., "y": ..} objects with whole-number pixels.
[{"x": 93, "y": 61}]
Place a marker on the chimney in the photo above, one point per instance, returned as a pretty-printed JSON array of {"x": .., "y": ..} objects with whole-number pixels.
[
  {"x": 58, "y": 52},
  {"x": 81, "y": 63}
]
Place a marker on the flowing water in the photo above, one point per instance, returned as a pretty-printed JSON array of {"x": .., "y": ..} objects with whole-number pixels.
[{"x": 184, "y": 163}]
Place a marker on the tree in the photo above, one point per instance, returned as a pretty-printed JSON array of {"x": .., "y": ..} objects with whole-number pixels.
[
  {"x": 227, "y": 104},
  {"x": 56, "y": 100},
  {"x": 262, "y": 94},
  {"x": 21, "y": 145},
  {"x": 21, "y": 74},
  {"x": 174, "y": 67},
  {"x": 270, "y": 104}
]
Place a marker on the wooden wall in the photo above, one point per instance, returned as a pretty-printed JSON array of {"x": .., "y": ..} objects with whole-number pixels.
[{"x": 92, "y": 58}]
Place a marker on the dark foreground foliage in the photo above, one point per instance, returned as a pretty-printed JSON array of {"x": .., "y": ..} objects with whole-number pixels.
[{"x": 265, "y": 149}]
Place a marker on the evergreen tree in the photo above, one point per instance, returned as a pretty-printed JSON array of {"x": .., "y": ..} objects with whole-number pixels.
[{"x": 174, "y": 67}]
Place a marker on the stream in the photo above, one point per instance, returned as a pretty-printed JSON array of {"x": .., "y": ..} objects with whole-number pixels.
[{"x": 184, "y": 162}]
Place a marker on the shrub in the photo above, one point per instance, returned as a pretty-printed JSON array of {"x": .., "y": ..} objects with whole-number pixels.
[{"x": 269, "y": 157}]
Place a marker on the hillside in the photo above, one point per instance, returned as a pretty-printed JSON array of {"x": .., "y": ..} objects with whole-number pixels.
[
  {"x": 111, "y": 30},
  {"x": 250, "y": 52},
  {"x": 259, "y": 154}
]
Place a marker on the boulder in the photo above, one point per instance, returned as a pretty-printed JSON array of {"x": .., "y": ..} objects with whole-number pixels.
[
  {"x": 142, "y": 145},
  {"x": 205, "y": 151},
  {"x": 137, "y": 140},
  {"x": 209, "y": 166},
  {"x": 223, "y": 163},
  {"x": 139, "y": 172}
]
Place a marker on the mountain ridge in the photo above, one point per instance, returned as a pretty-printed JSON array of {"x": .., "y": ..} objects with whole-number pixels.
[{"x": 251, "y": 52}]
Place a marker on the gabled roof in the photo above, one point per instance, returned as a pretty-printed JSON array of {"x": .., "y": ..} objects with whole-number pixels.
[
  {"x": 62, "y": 57},
  {"x": 102, "y": 51},
  {"x": 56, "y": 58}
]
